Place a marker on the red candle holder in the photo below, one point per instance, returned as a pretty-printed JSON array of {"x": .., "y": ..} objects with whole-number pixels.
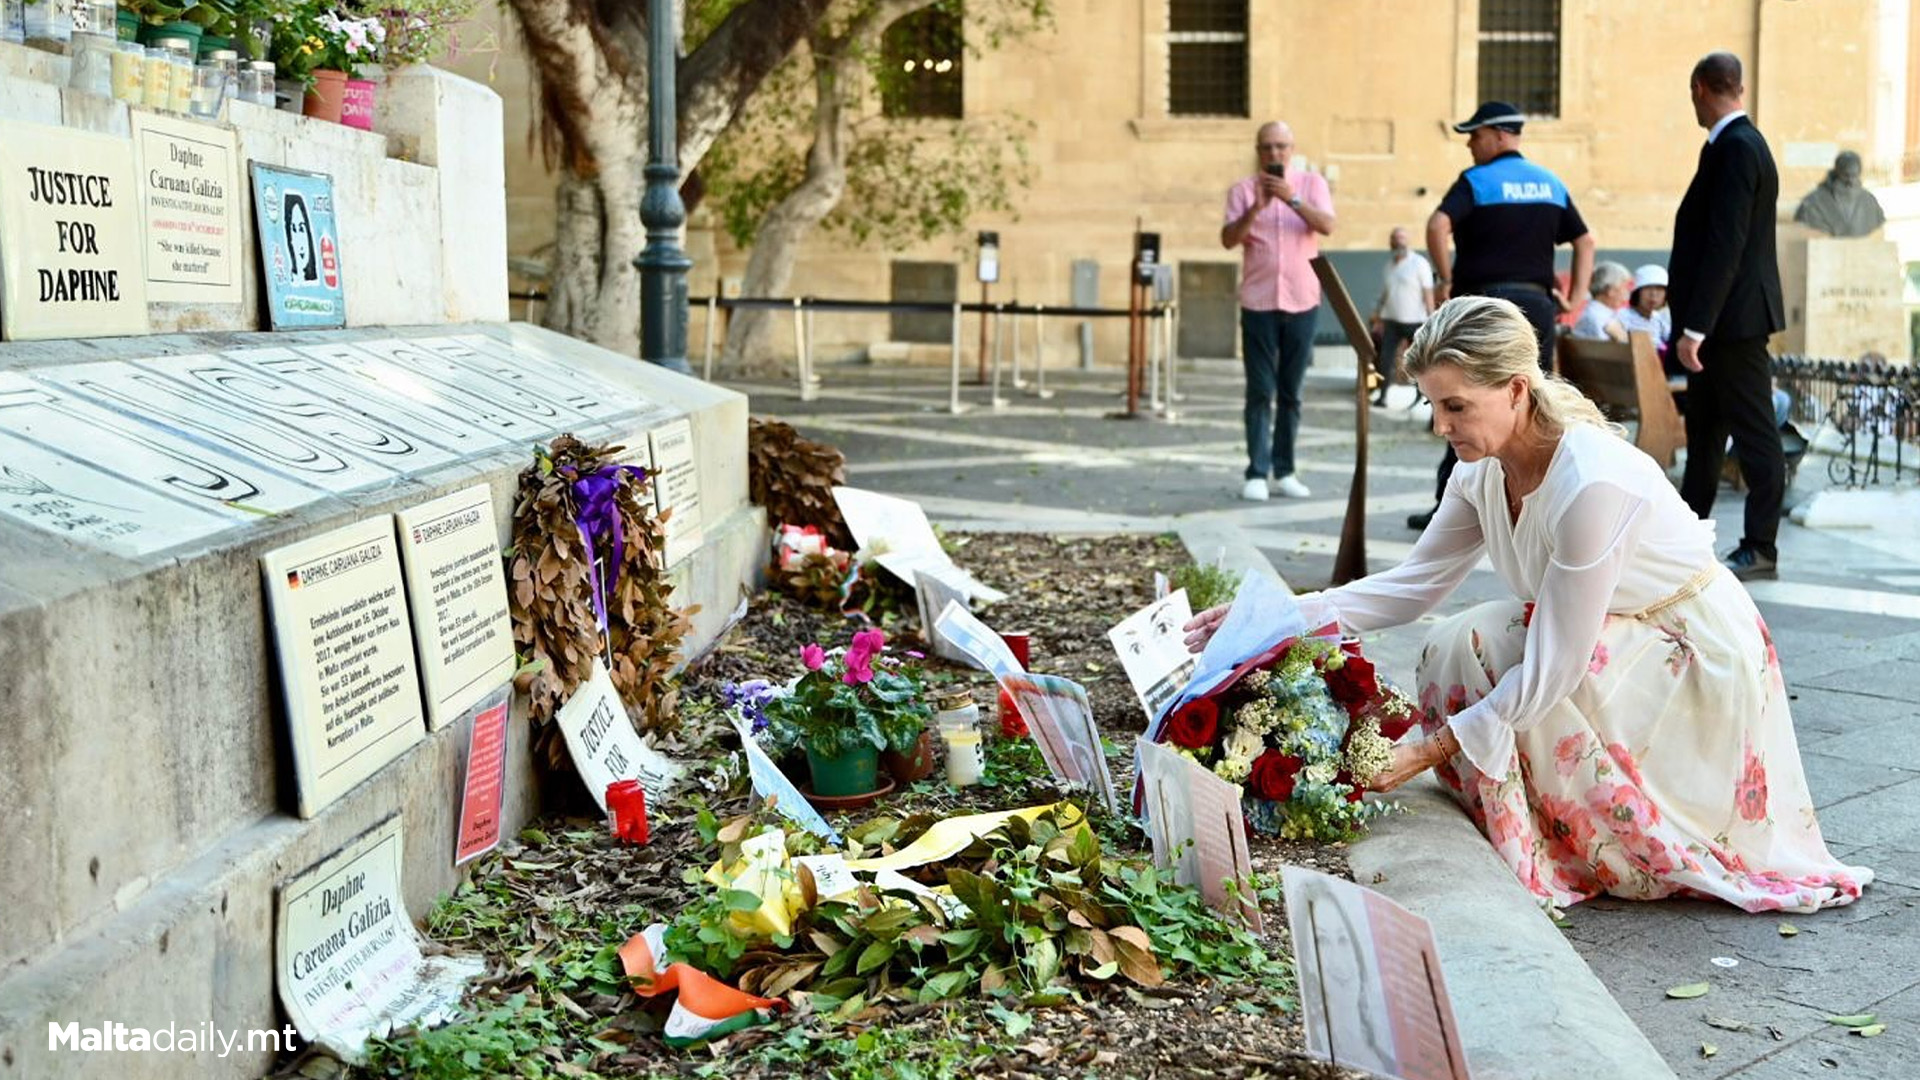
[
  {"x": 1012, "y": 724},
  {"x": 627, "y": 804}
]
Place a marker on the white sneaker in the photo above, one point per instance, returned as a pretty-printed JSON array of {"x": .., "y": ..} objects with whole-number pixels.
[
  {"x": 1254, "y": 491},
  {"x": 1291, "y": 487}
]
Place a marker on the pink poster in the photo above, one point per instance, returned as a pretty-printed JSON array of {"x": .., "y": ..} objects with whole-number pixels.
[{"x": 486, "y": 775}]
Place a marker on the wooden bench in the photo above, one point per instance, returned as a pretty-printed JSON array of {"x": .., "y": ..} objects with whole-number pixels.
[{"x": 1625, "y": 380}]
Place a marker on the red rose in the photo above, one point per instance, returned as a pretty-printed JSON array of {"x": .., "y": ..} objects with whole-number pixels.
[
  {"x": 1194, "y": 724},
  {"x": 1352, "y": 684},
  {"x": 1273, "y": 775}
]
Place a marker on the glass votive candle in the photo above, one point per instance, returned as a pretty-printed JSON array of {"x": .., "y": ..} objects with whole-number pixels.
[
  {"x": 90, "y": 64},
  {"x": 263, "y": 82},
  {"x": 209, "y": 87},
  {"x": 182, "y": 82},
  {"x": 129, "y": 72},
  {"x": 157, "y": 88}
]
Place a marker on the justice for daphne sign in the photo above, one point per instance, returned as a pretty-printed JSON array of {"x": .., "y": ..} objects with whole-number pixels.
[
  {"x": 190, "y": 206},
  {"x": 299, "y": 248},
  {"x": 70, "y": 255}
]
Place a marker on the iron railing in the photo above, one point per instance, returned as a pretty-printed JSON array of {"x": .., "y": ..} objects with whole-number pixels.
[{"x": 1864, "y": 415}]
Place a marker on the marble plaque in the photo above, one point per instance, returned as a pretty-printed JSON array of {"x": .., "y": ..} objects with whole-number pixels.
[
  {"x": 676, "y": 486},
  {"x": 458, "y": 598},
  {"x": 190, "y": 201},
  {"x": 345, "y": 648}
]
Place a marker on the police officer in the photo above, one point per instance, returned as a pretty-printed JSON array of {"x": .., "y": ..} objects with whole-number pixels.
[{"x": 1505, "y": 216}]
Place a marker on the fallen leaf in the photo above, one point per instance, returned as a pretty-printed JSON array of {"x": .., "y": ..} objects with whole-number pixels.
[
  {"x": 1690, "y": 990},
  {"x": 1724, "y": 1024},
  {"x": 1858, "y": 1020},
  {"x": 1707, "y": 1050},
  {"x": 1870, "y": 1030},
  {"x": 1787, "y": 929}
]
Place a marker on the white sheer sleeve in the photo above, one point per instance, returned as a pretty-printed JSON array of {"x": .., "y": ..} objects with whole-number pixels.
[
  {"x": 1443, "y": 556},
  {"x": 1592, "y": 540}
]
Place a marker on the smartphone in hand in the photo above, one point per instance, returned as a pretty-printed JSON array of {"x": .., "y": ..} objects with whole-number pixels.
[{"x": 1277, "y": 168}]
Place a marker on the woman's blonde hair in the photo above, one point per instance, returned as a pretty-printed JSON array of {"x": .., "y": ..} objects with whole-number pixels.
[{"x": 1491, "y": 342}]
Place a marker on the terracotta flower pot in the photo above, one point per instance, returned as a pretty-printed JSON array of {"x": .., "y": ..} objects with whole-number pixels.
[
  {"x": 918, "y": 765},
  {"x": 356, "y": 110},
  {"x": 327, "y": 96}
]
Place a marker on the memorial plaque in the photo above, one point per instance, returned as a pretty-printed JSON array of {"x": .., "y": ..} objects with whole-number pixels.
[
  {"x": 676, "y": 486},
  {"x": 45, "y": 489},
  {"x": 217, "y": 421},
  {"x": 346, "y": 376},
  {"x": 1194, "y": 821},
  {"x": 348, "y": 957},
  {"x": 190, "y": 209},
  {"x": 557, "y": 376},
  {"x": 143, "y": 452},
  {"x": 350, "y": 426},
  {"x": 70, "y": 254},
  {"x": 458, "y": 598},
  {"x": 499, "y": 408},
  {"x": 345, "y": 649},
  {"x": 299, "y": 248},
  {"x": 541, "y": 398},
  {"x": 480, "y": 796}
]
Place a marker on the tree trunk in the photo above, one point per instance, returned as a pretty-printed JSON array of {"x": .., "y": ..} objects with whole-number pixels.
[
  {"x": 837, "y": 61},
  {"x": 590, "y": 62}
]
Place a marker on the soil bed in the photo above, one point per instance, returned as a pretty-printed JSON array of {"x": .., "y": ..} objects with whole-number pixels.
[{"x": 549, "y": 908}]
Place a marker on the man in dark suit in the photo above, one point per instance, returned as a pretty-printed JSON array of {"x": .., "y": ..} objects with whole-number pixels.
[{"x": 1725, "y": 299}]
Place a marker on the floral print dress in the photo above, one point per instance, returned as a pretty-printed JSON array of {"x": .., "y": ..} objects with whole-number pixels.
[{"x": 1623, "y": 721}]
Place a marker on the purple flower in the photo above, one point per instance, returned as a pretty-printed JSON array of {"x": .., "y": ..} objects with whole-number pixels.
[
  {"x": 859, "y": 668},
  {"x": 813, "y": 656},
  {"x": 916, "y": 654},
  {"x": 751, "y": 699}
]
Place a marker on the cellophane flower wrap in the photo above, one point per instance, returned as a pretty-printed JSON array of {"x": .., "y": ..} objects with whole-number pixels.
[{"x": 1301, "y": 728}]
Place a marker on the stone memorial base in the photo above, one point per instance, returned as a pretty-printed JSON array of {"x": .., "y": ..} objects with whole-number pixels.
[
  {"x": 145, "y": 779},
  {"x": 1843, "y": 296}
]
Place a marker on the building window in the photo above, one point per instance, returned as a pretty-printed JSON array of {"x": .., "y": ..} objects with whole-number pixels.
[
  {"x": 1520, "y": 54},
  {"x": 1207, "y": 57},
  {"x": 923, "y": 283},
  {"x": 922, "y": 58}
]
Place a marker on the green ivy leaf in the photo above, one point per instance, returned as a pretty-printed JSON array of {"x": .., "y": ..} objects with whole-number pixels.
[
  {"x": 740, "y": 899},
  {"x": 1690, "y": 990},
  {"x": 1857, "y": 1021}
]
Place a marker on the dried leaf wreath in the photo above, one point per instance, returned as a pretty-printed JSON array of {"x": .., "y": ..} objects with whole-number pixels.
[
  {"x": 576, "y": 505},
  {"x": 793, "y": 477}
]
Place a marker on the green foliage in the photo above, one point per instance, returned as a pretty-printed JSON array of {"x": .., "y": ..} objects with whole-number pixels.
[
  {"x": 874, "y": 1054},
  {"x": 1039, "y": 910},
  {"x": 1013, "y": 762},
  {"x": 502, "y": 1042},
  {"x": 1207, "y": 586},
  {"x": 908, "y": 180}
]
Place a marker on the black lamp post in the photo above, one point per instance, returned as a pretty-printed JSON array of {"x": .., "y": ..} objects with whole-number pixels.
[{"x": 663, "y": 266}]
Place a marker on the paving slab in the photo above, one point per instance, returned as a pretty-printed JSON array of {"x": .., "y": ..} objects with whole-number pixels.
[{"x": 1845, "y": 615}]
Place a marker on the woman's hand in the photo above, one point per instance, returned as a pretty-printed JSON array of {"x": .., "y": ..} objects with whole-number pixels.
[
  {"x": 1410, "y": 759},
  {"x": 1201, "y": 628}
]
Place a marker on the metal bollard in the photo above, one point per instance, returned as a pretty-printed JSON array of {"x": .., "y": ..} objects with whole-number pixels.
[
  {"x": 1154, "y": 340},
  {"x": 713, "y": 324},
  {"x": 953, "y": 389},
  {"x": 1040, "y": 353},
  {"x": 1018, "y": 382},
  {"x": 1174, "y": 341},
  {"x": 800, "y": 349},
  {"x": 994, "y": 397}
]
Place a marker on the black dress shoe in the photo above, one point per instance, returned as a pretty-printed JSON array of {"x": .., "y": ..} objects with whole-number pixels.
[
  {"x": 1749, "y": 565},
  {"x": 1419, "y": 522}
]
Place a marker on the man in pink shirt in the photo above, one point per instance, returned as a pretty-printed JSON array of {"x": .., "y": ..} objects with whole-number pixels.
[{"x": 1276, "y": 217}]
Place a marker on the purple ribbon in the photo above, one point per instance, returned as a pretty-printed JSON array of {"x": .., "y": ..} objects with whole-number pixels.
[{"x": 598, "y": 518}]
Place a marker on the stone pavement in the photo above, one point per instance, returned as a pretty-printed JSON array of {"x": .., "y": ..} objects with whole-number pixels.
[{"x": 1846, "y": 616}]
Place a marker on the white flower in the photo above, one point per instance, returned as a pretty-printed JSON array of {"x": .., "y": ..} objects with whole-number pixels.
[
  {"x": 1321, "y": 772},
  {"x": 1244, "y": 744},
  {"x": 1233, "y": 770}
]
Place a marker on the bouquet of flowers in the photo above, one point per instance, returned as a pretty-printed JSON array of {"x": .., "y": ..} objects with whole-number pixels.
[{"x": 1302, "y": 728}]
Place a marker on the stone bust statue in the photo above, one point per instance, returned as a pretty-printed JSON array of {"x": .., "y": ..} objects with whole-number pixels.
[{"x": 1840, "y": 206}]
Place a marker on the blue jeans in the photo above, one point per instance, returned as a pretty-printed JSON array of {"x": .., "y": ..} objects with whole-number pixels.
[{"x": 1275, "y": 348}]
